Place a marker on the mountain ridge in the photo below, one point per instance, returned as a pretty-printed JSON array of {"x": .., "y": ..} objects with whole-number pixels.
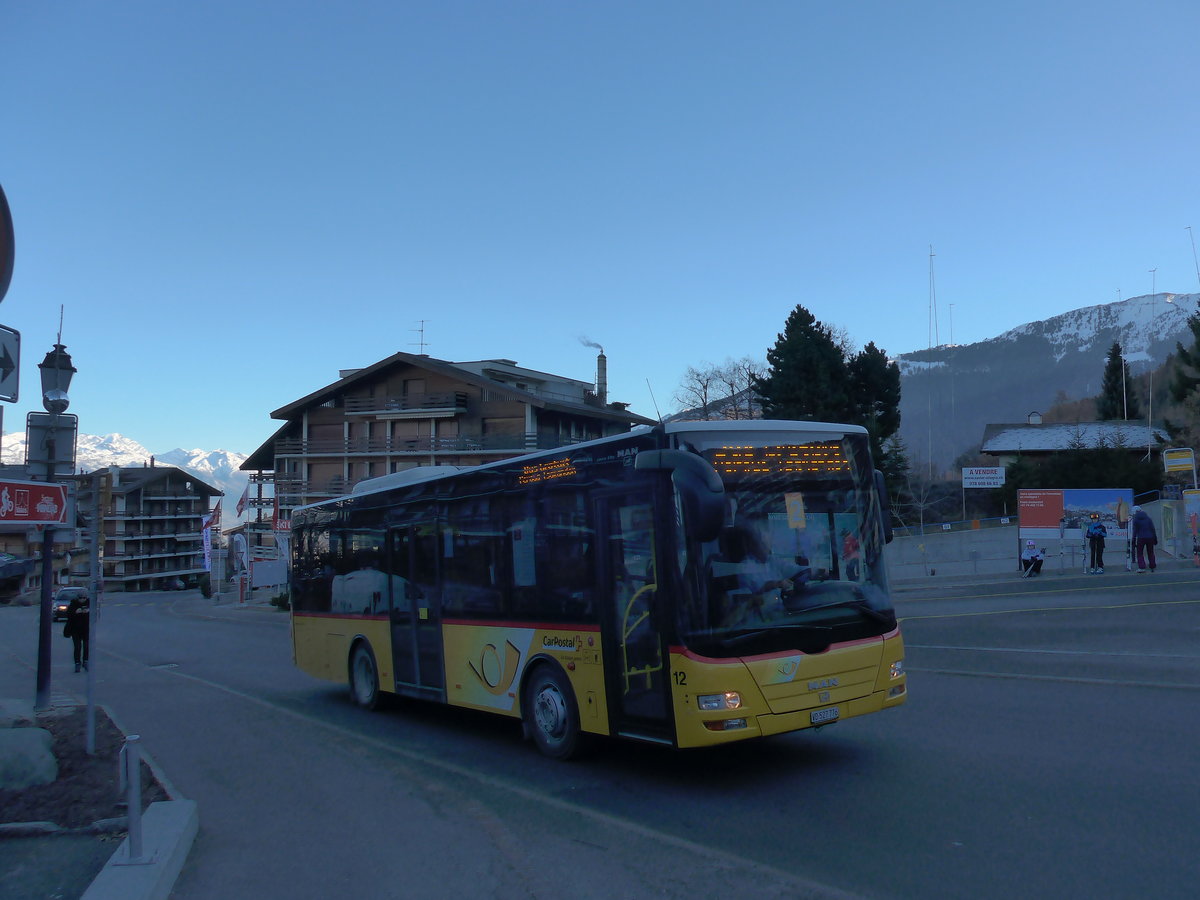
[
  {"x": 218, "y": 468},
  {"x": 950, "y": 393}
]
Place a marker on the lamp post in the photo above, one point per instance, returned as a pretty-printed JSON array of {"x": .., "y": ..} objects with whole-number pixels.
[{"x": 56, "y": 371}]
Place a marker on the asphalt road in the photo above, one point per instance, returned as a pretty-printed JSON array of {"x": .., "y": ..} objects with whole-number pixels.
[{"x": 1047, "y": 750}]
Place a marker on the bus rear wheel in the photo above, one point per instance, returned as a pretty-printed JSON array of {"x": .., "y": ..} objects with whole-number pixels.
[
  {"x": 364, "y": 677},
  {"x": 551, "y": 716}
]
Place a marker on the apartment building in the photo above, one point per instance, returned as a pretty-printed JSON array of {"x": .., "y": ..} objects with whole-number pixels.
[
  {"x": 151, "y": 522},
  {"x": 414, "y": 410}
]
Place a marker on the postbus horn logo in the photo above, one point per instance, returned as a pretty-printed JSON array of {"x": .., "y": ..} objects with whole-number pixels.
[{"x": 496, "y": 678}]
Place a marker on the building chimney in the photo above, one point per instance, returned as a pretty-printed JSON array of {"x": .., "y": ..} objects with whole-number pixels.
[{"x": 602, "y": 378}]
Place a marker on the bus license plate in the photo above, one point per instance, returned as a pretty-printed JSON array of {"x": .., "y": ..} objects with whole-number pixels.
[{"x": 821, "y": 716}]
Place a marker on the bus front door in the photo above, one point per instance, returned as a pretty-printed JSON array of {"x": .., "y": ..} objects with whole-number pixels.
[
  {"x": 636, "y": 664},
  {"x": 416, "y": 610}
]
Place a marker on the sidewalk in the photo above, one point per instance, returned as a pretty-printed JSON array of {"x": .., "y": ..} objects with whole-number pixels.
[{"x": 42, "y": 859}]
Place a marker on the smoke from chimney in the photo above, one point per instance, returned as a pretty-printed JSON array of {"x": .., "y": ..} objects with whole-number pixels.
[{"x": 601, "y": 370}]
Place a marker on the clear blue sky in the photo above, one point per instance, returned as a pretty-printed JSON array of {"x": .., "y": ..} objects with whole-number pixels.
[{"x": 233, "y": 200}]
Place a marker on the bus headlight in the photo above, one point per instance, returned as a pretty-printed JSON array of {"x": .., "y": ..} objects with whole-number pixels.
[
  {"x": 897, "y": 668},
  {"x": 713, "y": 702}
]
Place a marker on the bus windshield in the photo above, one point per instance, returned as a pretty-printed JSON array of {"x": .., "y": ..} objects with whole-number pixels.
[{"x": 798, "y": 563}]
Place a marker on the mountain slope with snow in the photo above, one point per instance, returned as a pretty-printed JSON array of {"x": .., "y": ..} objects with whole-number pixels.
[
  {"x": 218, "y": 468},
  {"x": 950, "y": 393}
]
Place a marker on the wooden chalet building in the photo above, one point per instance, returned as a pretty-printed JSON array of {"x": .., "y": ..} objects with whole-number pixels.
[{"x": 413, "y": 410}]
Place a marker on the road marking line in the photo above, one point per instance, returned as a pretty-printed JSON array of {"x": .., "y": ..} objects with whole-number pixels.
[
  {"x": 1004, "y": 612},
  {"x": 1107, "y": 682},
  {"x": 422, "y": 761},
  {"x": 1105, "y": 653}
]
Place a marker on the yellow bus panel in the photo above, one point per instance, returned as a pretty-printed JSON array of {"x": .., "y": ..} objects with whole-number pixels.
[
  {"x": 321, "y": 645},
  {"x": 783, "y": 692},
  {"x": 486, "y": 665}
]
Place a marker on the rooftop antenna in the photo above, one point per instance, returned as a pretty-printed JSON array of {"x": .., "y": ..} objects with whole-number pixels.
[{"x": 419, "y": 343}]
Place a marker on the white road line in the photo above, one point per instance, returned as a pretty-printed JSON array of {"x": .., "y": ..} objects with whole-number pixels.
[
  {"x": 1016, "y": 676},
  {"x": 1106, "y": 653},
  {"x": 422, "y": 761}
]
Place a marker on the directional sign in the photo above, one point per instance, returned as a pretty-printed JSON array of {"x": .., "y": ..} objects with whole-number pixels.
[
  {"x": 32, "y": 503},
  {"x": 10, "y": 363},
  {"x": 50, "y": 442}
]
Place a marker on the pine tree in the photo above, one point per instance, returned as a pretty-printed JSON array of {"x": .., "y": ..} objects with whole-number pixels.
[
  {"x": 1116, "y": 400},
  {"x": 810, "y": 377},
  {"x": 875, "y": 394},
  {"x": 1185, "y": 377},
  {"x": 806, "y": 376}
]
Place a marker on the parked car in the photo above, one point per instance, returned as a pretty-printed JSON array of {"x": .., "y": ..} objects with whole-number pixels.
[{"x": 63, "y": 598}]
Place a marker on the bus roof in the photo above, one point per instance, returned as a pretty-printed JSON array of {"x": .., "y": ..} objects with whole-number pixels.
[{"x": 760, "y": 425}]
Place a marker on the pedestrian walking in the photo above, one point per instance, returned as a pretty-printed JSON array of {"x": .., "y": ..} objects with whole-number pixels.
[
  {"x": 1144, "y": 539},
  {"x": 77, "y": 628}
]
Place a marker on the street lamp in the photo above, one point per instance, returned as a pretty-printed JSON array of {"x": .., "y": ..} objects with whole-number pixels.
[{"x": 56, "y": 371}]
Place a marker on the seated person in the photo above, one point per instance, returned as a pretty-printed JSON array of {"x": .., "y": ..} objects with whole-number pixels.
[
  {"x": 1031, "y": 559},
  {"x": 746, "y": 572}
]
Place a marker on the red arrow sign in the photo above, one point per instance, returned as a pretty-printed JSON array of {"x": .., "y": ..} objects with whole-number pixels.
[{"x": 33, "y": 503}]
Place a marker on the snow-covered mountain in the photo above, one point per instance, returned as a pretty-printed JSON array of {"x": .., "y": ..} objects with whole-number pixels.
[
  {"x": 218, "y": 468},
  {"x": 950, "y": 393}
]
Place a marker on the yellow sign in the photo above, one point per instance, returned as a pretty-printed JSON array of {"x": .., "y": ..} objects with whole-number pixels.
[{"x": 1179, "y": 459}]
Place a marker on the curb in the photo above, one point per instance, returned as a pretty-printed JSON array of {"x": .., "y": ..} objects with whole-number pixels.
[{"x": 169, "y": 828}]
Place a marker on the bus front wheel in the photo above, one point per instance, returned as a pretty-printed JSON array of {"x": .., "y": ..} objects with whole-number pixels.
[
  {"x": 364, "y": 677},
  {"x": 551, "y": 716}
]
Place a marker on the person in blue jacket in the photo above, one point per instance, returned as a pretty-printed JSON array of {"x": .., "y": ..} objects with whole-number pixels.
[
  {"x": 1096, "y": 533},
  {"x": 1141, "y": 528}
]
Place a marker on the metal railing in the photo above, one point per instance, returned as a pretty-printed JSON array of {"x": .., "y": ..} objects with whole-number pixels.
[
  {"x": 912, "y": 530},
  {"x": 412, "y": 403}
]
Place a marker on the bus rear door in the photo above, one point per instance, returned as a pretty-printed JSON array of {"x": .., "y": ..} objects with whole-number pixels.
[{"x": 416, "y": 610}]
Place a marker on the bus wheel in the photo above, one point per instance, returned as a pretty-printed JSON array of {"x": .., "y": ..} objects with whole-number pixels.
[
  {"x": 364, "y": 677},
  {"x": 550, "y": 713}
]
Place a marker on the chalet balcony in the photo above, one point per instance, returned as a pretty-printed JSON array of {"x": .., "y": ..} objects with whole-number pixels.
[
  {"x": 413, "y": 406},
  {"x": 422, "y": 446}
]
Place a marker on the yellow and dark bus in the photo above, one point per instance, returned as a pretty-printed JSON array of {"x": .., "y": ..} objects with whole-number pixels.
[{"x": 686, "y": 584}]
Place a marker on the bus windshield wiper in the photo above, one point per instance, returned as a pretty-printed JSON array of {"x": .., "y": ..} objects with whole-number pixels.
[
  {"x": 745, "y": 636},
  {"x": 859, "y": 604}
]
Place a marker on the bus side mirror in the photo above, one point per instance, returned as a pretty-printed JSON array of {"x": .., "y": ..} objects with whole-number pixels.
[
  {"x": 885, "y": 507},
  {"x": 698, "y": 484}
]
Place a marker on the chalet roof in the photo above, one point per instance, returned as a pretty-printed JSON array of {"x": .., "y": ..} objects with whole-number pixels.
[
  {"x": 460, "y": 372},
  {"x": 1026, "y": 438},
  {"x": 264, "y": 456},
  {"x": 464, "y": 372},
  {"x": 137, "y": 477}
]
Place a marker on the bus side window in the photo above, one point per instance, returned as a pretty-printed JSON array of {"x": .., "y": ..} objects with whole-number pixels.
[
  {"x": 311, "y": 591},
  {"x": 566, "y": 549}
]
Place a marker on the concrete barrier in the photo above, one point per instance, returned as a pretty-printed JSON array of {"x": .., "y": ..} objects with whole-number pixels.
[{"x": 996, "y": 551}]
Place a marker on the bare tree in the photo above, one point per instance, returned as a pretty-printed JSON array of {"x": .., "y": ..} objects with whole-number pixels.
[
  {"x": 711, "y": 391},
  {"x": 695, "y": 393},
  {"x": 737, "y": 378}
]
